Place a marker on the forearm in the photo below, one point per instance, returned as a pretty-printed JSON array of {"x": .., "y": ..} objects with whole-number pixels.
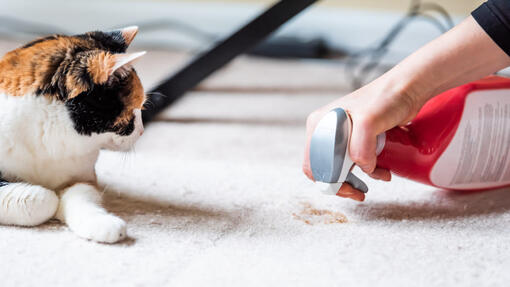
[{"x": 463, "y": 54}]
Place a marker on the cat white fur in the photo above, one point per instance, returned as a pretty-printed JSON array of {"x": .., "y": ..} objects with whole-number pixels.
[{"x": 51, "y": 168}]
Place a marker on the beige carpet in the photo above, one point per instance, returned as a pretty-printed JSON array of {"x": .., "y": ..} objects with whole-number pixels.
[{"x": 214, "y": 196}]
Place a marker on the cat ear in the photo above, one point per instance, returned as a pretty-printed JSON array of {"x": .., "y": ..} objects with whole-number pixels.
[
  {"x": 102, "y": 65},
  {"x": 124, "y": 59},
  {"x": 128, "y": 33}
]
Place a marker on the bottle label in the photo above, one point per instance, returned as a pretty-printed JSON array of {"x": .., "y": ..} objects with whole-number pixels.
[{"x": 478, "y": 155}]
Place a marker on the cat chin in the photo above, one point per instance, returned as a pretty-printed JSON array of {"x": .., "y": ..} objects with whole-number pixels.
[
  {"x": 123, "y": 143},
  {"x": 119, "y": 143}
]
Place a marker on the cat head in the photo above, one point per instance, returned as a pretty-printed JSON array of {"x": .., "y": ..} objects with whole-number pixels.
[{"x": 91, "y": 74}]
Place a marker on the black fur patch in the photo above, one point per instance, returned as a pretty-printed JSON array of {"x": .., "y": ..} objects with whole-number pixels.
[
  {"x": 62, "y": 66},
  {"x": 109, "y": 41},
  {"x": 97, "y": 110},
  {"x": 128, "y": 129},
  {"x": 54, "y": 77}
]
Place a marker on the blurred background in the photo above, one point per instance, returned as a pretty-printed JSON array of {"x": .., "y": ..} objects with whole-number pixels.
[{"x": 369, "y": 36}]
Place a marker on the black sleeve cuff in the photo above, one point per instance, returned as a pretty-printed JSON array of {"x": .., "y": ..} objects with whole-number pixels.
[{"x": 495, "y": 25}]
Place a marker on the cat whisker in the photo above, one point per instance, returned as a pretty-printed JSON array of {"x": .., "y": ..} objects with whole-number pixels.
[
  {"x": 127, "y": 158},
  {"x": 105, "y": 188}
]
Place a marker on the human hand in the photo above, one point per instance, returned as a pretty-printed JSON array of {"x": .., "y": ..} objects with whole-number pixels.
[
  {"x": 373, "y": 109},
  {"x": 463, "y": 54}
]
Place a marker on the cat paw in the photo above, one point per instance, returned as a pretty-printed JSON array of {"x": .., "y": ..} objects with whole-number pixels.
[
  {"x": 104, "y": 228},
  {"x": 26, "y": 205}
]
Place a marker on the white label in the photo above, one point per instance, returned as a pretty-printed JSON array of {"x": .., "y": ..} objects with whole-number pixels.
[{"x": 478, "y": 155}]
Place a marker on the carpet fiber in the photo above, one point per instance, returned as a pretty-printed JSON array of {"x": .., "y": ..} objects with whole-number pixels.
[{"x": 214, "y": 196}]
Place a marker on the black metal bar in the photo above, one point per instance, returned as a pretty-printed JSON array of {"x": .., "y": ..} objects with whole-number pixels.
[{"x": 238, "y": 43}]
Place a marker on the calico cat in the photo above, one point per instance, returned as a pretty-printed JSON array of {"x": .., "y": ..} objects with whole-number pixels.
[{"x": 62, "y": 100}]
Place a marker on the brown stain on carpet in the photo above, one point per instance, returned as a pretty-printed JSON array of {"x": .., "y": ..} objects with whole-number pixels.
[{"x": 312, "y": 216}]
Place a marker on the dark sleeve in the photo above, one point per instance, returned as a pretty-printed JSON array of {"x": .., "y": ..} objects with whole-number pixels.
[{"x": 494, "y": 17}]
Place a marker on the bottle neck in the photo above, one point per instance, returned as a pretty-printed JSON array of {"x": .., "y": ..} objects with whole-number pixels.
[{"x": 397, "y": 150}]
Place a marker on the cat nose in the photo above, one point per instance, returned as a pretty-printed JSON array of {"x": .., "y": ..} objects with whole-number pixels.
[{"x": 141, "y": 132}]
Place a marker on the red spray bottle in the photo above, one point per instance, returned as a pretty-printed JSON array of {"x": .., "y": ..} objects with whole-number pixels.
[{"x": 459, "y": 140}]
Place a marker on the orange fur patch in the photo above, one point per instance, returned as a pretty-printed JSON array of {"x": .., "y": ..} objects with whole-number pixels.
[
  {"x": 134, "y": 101},
  {"x": 100, "y": 66},
  {"x": 24, "y": 70}
]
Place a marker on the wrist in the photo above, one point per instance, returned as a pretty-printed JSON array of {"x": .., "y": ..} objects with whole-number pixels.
[{"x": 411, "y": 89}]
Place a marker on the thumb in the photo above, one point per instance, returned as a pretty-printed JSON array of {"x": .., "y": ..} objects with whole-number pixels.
[
  {"x": 363, "y": 145},
  {"x": 307, "y": 169}
]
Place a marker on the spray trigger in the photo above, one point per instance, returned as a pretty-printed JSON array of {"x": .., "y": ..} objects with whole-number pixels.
[
  {"x": 355, "y": 182},
  {"x": 329, "y": 152}
]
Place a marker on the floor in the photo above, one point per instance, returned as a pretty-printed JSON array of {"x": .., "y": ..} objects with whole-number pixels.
[{"x": 214, "y": 196}]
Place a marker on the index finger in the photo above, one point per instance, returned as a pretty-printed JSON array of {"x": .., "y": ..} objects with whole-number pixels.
[{"x": 347, "y": 191}]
